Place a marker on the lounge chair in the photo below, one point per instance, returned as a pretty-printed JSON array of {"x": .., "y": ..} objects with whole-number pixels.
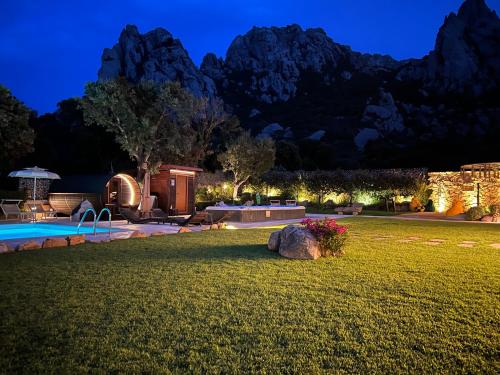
[
  {"x": 275, "y": 202},
  {"x": 158, "y": 212},
  {"x": 11, "y": 208},
  {"x": 198, "y": 218},
  {"x": 46, "y": 210},
  {"x": 290, "y": 202},
  {"x": 355, "y": 209},
  {"x": 132, "y": 217}
]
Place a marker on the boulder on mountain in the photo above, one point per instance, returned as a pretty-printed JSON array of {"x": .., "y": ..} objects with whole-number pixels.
[{"x": 155, "y": 56}]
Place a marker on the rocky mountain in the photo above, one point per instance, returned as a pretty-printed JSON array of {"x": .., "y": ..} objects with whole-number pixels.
[
  {"x": 466, "y": 56},
  {"x": 340, "y": 108},
  {"x": 268, "y": 63},
  {"x": 155, "y": 56}
]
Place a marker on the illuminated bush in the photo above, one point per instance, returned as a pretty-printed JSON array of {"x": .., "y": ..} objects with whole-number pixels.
[
  {"x": 456, "y": 208},
  {"x": 476, "y": 213}
]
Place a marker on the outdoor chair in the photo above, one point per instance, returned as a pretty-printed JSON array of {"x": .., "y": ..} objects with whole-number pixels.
[
  {"x": 275, "y": 202},
  {"x": 354, "y": 209},
  {"x": 158, "y": 212},
  {"x": 11, "y": 208},
  {"x": 290, "y": 202},
  {"x": 46, "y": 210},
  {"x": 134, "y": 218},
  {"x": 198, "y": 218}
]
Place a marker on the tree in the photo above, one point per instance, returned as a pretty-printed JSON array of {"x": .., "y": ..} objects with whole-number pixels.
[
  {"x": 86, "y": 149},
  {"x": 153, "y": 123},
  {"x": 320, "y": 183},
  {"x": 246, "y": 157},
  {"x": 208, "y": 114},
  {"x": 16, "y": 136},
  {"x": 288, "y": 182}
]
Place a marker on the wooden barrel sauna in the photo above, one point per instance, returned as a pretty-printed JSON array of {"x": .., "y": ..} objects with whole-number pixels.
[{"x": 112, "y": 191}]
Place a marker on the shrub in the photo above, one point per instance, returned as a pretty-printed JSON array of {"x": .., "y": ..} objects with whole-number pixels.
[
  {"x": 415, "y": 204},
  {"x": 331, "y": 236},
  {"x": 456, "y": 208},
  {"x": 475, "y": 213}
]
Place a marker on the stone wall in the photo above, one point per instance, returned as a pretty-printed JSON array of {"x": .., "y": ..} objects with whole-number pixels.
[
  {"x": 42, "y": 187},
  {"x": 448, "y": 187}
]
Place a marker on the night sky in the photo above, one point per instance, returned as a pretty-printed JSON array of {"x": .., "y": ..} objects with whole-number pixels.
[{"x": 50, "y": 49}]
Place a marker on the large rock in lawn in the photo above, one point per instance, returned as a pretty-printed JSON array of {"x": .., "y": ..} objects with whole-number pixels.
[
  {"x": 54, "y": 242},
  {"x": 29, "y": 245},
  {"x": 76, "y": 240},
  {"x": 4, "y": 248},
  {"x": 298, "y": 243},
  {"x": 274, "y": 241}
]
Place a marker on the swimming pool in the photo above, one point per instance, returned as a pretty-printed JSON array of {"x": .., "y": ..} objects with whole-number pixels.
[{"x": 13, "y": 231}]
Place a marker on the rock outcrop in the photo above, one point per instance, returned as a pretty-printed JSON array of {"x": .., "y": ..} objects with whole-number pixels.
[
  {"x": 269, "y": 62},
  {"x": 155, "y": 56},
  {"x": 466, "y": 55},
  {"x": 322, "y": 91}
]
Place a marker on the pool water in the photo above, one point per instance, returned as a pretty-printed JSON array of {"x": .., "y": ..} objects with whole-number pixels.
[{"x": 13, "y": 231}]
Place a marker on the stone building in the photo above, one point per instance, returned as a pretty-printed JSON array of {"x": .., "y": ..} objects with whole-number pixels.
[{"x": 474, "y": 185}]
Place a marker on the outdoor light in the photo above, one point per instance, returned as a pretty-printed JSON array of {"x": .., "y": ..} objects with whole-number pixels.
[
  {"x": 130, "y": 186},
  {"x": 178, "y": 171}
]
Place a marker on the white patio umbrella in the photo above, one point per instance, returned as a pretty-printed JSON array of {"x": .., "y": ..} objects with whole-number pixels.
[{"x": 35, "y": 173}]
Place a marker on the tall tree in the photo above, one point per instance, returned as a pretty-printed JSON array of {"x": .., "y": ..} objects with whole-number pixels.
[
  {"x": 146, "y": 119},
  {"x": 154, "y": 123},
  {"x": 86, "y": 149},
  {"x": 16, "y": 136},
  {"x": 247, "y": 157},
  {"x": 207, "y": 115}
]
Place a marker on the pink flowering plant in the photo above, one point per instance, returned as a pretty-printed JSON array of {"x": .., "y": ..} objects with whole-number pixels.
[{"x": 330, "y": 235}]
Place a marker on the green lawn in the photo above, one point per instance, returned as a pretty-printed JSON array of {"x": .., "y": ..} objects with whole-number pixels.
[{"x": 220, "y": 302}]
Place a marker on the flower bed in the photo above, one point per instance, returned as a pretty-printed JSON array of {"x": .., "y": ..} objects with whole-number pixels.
[{"x": 330, "y": 235}]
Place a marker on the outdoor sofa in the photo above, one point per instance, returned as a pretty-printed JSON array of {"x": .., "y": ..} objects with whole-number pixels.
[{"x": 354, "y": 209}]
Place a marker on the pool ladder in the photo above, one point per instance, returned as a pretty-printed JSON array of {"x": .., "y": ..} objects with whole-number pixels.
[{"x": 96, "y": 219}]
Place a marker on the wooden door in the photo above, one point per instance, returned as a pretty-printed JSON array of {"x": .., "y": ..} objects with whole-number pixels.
[{"x": 181, "y": 194}]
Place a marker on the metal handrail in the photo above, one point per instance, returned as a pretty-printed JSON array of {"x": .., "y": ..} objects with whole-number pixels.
[
  {"x": 99, "y": 216},
  {"x": 83, "y": 218}
]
